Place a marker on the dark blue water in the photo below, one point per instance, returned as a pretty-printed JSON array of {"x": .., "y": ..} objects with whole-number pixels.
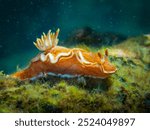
[{"x": 22, "y": 21}]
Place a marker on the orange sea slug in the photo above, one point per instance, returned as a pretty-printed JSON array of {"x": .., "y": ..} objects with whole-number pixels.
[{"x": 58, "y": 60}]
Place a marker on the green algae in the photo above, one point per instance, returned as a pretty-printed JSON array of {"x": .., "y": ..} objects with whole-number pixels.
[{"x": 128, "y": 90}]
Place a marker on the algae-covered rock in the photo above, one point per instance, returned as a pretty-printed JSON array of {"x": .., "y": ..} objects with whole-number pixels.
[{"x": 128, "y": 90}]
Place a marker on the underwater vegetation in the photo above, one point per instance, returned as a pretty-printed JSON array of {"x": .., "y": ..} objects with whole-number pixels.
[{"x": 127, "y": 90}]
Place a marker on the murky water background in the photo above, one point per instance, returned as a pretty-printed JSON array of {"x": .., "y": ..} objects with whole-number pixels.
[{"x": 22, "y": 21}]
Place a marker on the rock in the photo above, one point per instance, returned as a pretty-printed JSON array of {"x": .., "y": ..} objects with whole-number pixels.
[{"x": 91, "y": 37}]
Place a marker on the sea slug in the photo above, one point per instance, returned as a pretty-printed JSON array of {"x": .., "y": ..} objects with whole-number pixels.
[{"x": 59, "y": 60}]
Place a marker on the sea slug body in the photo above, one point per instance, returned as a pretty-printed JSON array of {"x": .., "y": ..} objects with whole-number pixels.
[{"x": 58, "y": 60}]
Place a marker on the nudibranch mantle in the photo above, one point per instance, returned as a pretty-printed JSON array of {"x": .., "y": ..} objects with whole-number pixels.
[{"x": 58, "y": 60}]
